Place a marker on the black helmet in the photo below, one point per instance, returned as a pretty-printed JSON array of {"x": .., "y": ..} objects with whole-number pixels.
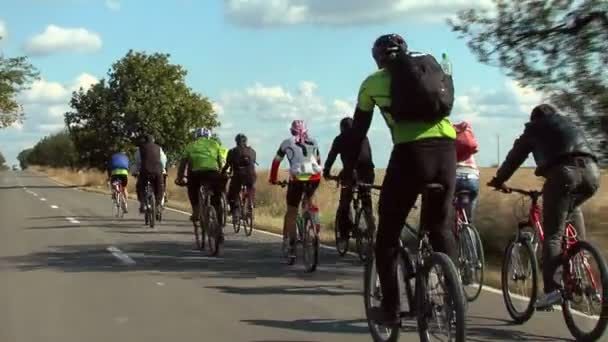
[
  {"x": 387, "y": 47},
  {"x": 148, "y": 138},
  {"x": 346, "y": 123},
  {"x": 240, "y": 139},
  {"x": 541, "y": 111}
]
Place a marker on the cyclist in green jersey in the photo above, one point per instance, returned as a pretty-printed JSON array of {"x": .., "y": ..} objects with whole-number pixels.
[
  {"x": 424, "y": 152},
  {"x": 204, "y": 160}
]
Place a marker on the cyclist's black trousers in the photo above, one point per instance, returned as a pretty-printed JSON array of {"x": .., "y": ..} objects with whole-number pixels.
[
  {"x": 156, "y": 179},
  {"x": 236, "y": 181},
  {"x": 568, "y": 185},
  {"x": 411, "y": 167},
  {"x": 213, "y": 180},
  {"x": 346, "y": 197}
]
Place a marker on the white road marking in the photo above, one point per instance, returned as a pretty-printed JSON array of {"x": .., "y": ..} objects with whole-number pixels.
[
  {"x": 120, "y": 255},
  {"x": 35, "y": 194},
  {"x": 54, "y": 206},
  {"x": 160, "y": 283},
  {"x": 42, "y": 199},
  {"x": 72, "y": 220}
]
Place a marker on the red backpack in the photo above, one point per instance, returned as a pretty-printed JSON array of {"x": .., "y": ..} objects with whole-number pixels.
[{"x": 466, "y": 144}]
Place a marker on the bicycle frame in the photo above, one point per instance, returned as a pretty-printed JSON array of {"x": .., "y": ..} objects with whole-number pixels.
[{"x": 569, "y": 239}]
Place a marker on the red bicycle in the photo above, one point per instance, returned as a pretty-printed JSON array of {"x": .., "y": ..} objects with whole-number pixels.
[
  {"x": 584, "y": 275},
  {"x": 244, "y": 215}
]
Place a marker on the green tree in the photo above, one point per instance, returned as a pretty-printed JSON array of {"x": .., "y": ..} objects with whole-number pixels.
[
  {"x": 23, "y": 158},
  {"x": 558, "y": 47},
  {"x": 142, "y": 94},
  {"x": 16, "y": 74},
  {"x": 56, "y": 150}
]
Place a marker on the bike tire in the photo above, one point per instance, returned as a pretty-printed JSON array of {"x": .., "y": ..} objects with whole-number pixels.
[
  {"x": 248, "y": 217},
  {"x": 123, "y": 204},
  {"x": 236, "y": 221},
  {"x": 199, "y": 235},
  {"x": 517, "y": 316},
  {"x": 212, "y": 231},
  {"x": 152, "y": 211},
  {"x": 310, "y": 246},
  {"x": 454, "y": 293},
  {"x": 341, "y": 241},
  {"x": 372, "y": 291},
  {"x": 365, "y": 237},
  {"x": 472, "y": 247},
  {"x": 568, "y": 312}
]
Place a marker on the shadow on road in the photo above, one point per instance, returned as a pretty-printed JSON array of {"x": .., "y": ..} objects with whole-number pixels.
[
  {"x": 358, "y": 326},
  {"x": 238, "y": 259},
  {"x": 328, "y": 290}
]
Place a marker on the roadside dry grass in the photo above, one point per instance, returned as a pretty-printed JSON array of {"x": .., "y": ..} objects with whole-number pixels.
[{"x": 496, "y": 215}]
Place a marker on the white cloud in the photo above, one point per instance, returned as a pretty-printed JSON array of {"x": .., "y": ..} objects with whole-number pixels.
[
  {"x": 114, "y": 5},
  {"x": 59, "y": 39},
  {"x": 3, "y": 30},
  {"x": 50, "y": 93},
  {"x": 84, "y": 81},
  {"x": 259, "y": 13}
]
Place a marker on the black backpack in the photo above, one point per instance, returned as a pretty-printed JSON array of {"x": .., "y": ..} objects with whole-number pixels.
[
  {"x": 243, "y": 157},
  {"x": 428, "y": 92}
]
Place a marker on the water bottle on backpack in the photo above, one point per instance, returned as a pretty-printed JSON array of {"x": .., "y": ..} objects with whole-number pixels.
[{"x": 446, "y": 65}]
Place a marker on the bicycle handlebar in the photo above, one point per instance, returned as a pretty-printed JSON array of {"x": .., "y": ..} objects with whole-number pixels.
[
  {"x": 529, "y": 193},
  {"x": 359, "y": 184}
]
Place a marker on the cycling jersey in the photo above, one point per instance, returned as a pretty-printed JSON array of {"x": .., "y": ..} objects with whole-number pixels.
[
  {"x": 376, "y": 90},
  {"x": 304, "y": 159},
  {"x": 205, "y": 155}
]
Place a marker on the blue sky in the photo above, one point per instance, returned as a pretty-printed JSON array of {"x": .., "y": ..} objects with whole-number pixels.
[{"x": 261, "y": 62}]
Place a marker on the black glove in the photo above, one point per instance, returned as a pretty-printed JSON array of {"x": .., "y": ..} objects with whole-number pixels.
[
  {"x": 326, "y": 174},
  {"x": 494, "y": 183}
]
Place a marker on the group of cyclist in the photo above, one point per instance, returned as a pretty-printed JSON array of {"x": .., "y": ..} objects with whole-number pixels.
[{"x": 425, "y": 150}]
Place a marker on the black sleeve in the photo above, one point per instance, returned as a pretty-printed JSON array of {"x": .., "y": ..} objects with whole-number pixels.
[
  {"x": 356, "y": 135},
  {"x": 331, "y": 156},
  {"x": 518, "y": 154}
]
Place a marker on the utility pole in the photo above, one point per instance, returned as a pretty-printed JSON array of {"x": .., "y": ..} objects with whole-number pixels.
[{"x": 497, "y": 150}]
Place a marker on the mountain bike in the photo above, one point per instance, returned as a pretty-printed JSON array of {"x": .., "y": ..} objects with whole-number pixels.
[
  {"x": 308, "y": 227},
  {"x": 470, "y": 248},
  {"x": 150, "y": 213},
  {"x": 421, "y": 273},
  {"x": 244, "y": 213},
  {"x": 364, "y": 226},
  {"x": 119, "y": 200},
  {"x": 582, "y": 269},
  {"x": 207, "y": 226}
]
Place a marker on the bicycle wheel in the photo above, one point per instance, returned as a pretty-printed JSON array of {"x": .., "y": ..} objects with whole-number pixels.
[
  {"x": 212, "y": 230},
  {"x": 471, "y": 261},
  {"x": 123, "y": 204},
  {"x": 310, "y": 245},
  {"x": 364, "y": 226},
  {"x": 523, "y": 271},
  {"x": 440, "y": 301},
  {"x": 151, "y": 210},
  {"x": 585, "y": 305},
  {"x": 341, "y": 239},
  {"x": 224, "y": 207},
  {"x": 372, "y": 298},
  {"x": 248, "y": 217},
  {"x": 115, "y": 206}
]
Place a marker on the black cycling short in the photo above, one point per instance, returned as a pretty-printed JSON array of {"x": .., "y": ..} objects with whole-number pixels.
[
  {"x": 124, "y": 179},
  {"x": 296, "y": 189}
]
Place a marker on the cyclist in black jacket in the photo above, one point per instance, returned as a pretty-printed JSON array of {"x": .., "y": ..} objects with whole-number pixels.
[
  {"x": 364, "y": 172},
  {"x": 565, "y": 159}
]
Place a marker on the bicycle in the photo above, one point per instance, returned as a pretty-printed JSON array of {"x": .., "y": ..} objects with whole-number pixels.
[
  {"x": 150, "y": 211},
  {"x": 307, "y": 230},
  {"x": 576, "y": 293},
  {"x": 244, "y": 215},
  {"x": 419, "y": 284},
  {"x": 119, "y": 200},
  {"x": 364, "y": 225},
  {"x": 470, "y": 248},
  {"x": 208, "y": 227}
]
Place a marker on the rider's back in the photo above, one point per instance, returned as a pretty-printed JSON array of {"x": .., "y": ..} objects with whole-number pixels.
[
  {"x": 302, "y": 157},
  {"x": 150, "y": 155},
  {"x": 204, "y": 155}
]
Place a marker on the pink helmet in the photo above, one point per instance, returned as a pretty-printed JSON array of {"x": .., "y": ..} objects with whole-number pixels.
[{"x": 298, "y": 129}]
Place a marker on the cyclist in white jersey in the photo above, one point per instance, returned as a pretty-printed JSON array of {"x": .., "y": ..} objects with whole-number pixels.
[{"x": 304, "y": 158}]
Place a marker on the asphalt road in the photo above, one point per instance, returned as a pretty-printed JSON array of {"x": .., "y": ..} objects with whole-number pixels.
[{"x": 70, "y": 272}]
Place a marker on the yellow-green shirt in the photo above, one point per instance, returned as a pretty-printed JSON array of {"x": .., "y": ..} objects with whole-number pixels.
[
  {"x": 376, "y": 90},
  {"x": 205, "y": 155}
]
